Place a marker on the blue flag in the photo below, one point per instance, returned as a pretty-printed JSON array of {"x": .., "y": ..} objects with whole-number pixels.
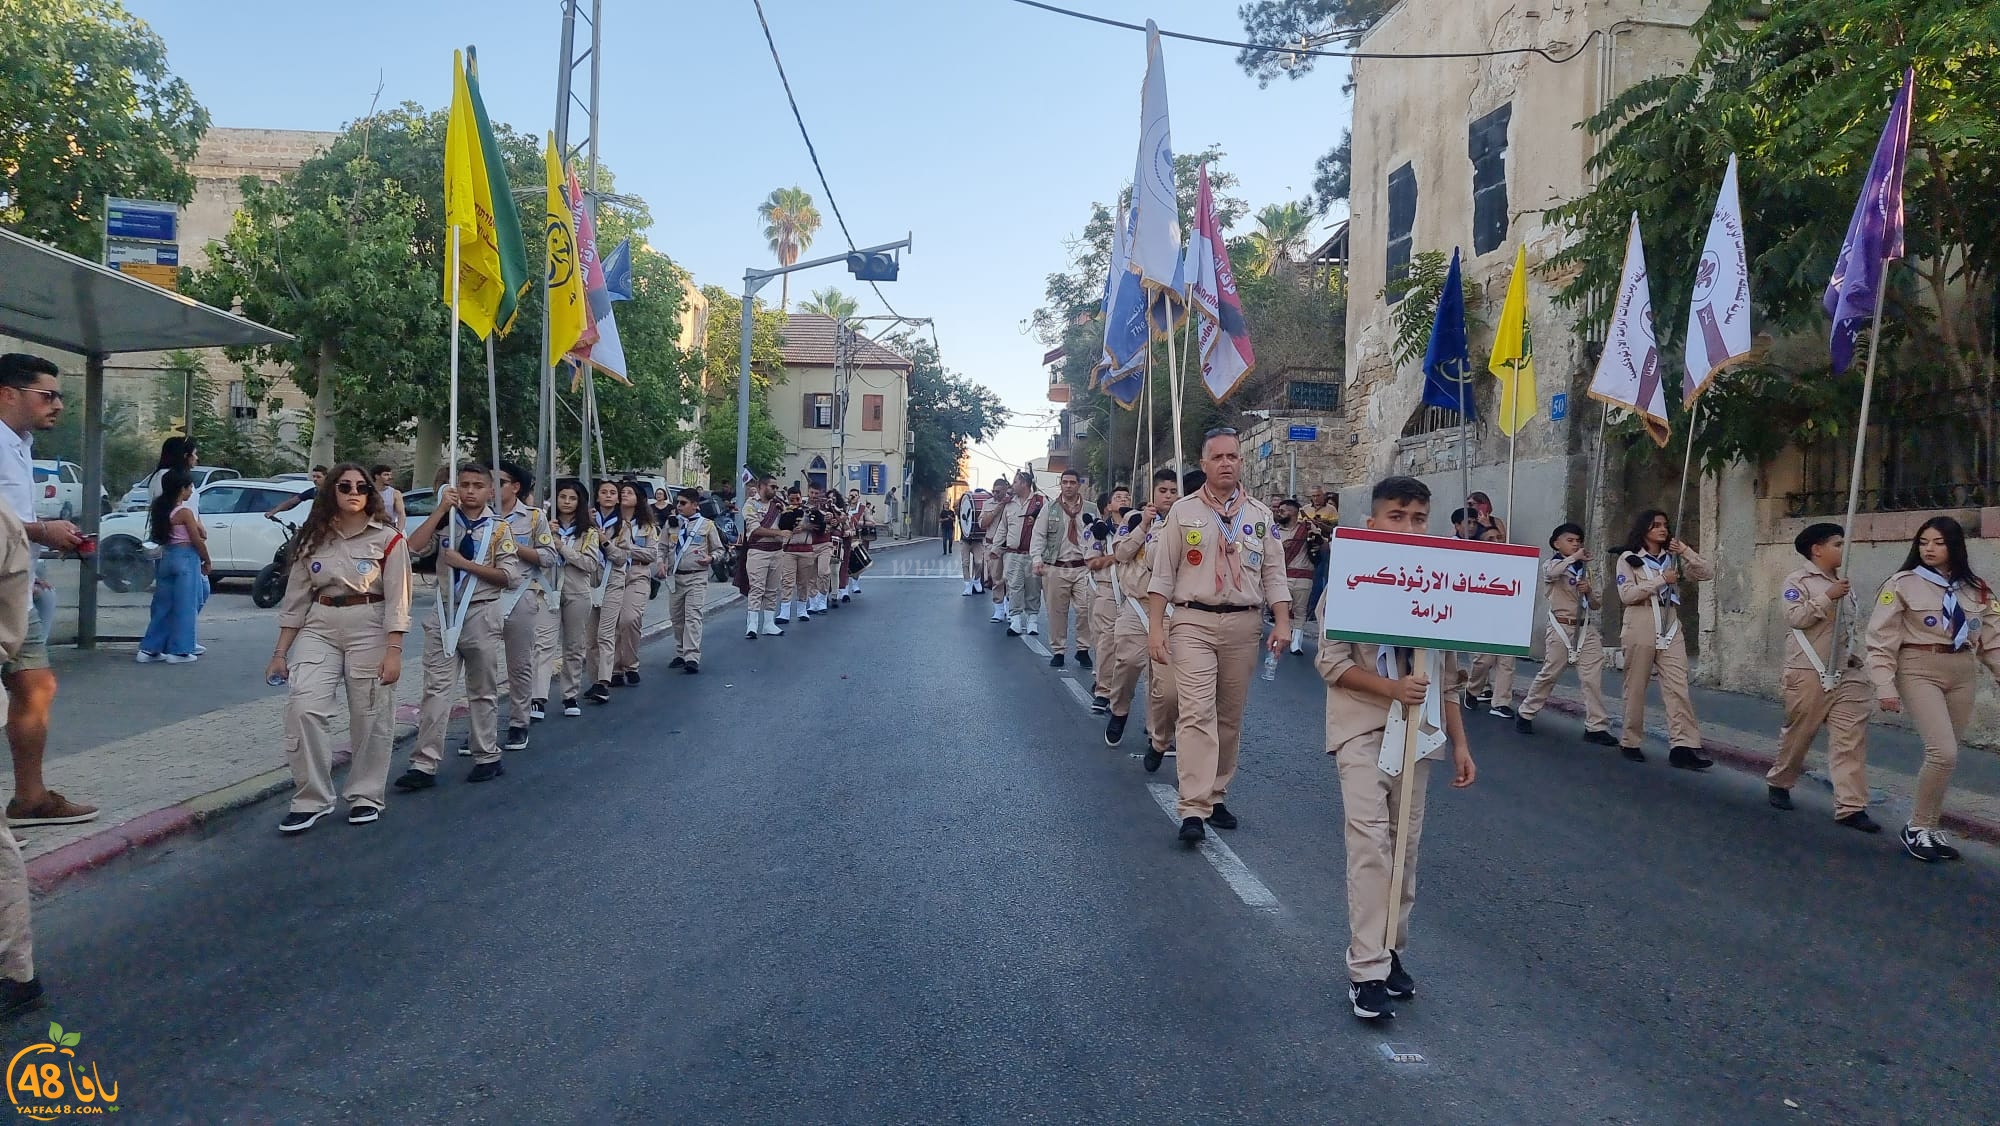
[
  {"x": 1874, "y": 235},
  {"x": 618, "y": 271},
  {"x": 1447, "y": 363}
]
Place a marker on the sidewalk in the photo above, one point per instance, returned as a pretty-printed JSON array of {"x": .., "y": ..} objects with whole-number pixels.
[
  {"x": 1742, "y": 731},
  {"x": 165, "y": 748}
]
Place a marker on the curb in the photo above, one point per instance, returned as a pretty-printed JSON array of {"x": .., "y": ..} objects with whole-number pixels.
[
  {"x": 146, "y": 830},
  {"x": 1755, "y": 762}
]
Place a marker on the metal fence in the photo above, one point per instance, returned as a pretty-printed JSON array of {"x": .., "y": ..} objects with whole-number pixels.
[{"x": 1925, "y": 450}]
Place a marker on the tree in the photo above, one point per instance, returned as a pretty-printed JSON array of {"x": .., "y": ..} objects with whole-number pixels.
[
  {"x": 1416, "y": 307},
  {"x": 716, "y": 434},
  {"x": 790, "y": 222},
  {"x": 1280, "y": 237},
  {"x": 947, "y": 413},
  {"x": 249, "y": 446},
  {"x": 830, "y": 302},
  {"x": 90, "y": 110},
  {"x": 1283, "y": 23},
  {"x": 1800, "y": 91},
  {"x": 1333, "y": 175}
]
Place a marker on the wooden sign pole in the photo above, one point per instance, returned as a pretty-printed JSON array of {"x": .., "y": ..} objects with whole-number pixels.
[{"x": 1420, "y": 659}]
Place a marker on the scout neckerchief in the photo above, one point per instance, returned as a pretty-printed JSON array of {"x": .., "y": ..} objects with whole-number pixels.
[
  {"x": 1069, "y": 534},
  {"x": 1954, "y": 614},
  {"x": 512, "y": 598},
  {"x": 692, "y": 529},
  {"x": 1103, "y": 547},
  {"x": 477, "y": 537},
  {"x": 1229, "y": 567},
  {"x": 1575, "y": 644},
  {"x": 1667, "y": 595},
  {"x": 1028, "y": 525},
  {"x": 1392, "y": 664},
  {"x": 1827, "y": 677},
  {"x": 607, "y": 530},
  {"x": 571, "y": 538}
]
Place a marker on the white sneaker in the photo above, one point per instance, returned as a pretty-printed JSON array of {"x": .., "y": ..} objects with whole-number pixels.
[
  {"x": 200, "y": 649},
  {"x": 1298, "y": 641},
  {"x": 784, "y": 614},
  {"x": 999, "y": 613},
  {"x": 968, "y": 590},
  {"x": 756, "y": 622},
  {"x": 771, "y": 624},
  {"x": 977, "y": 587},
  {"x": 1034, "y": 626},
  {"x": 144, "y": 657},
  {"x": 179, "y": 658}
]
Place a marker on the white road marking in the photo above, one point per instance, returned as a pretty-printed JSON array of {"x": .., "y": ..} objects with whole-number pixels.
[
  {"x": 1035, "y": 645},
  {"x": 1402, "y": 1054},
  {"x": 1077, "y": 690},
  {"x": 1227, "y": 864}
]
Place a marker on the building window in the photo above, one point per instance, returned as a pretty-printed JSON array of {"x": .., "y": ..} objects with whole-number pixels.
[
  {"x": 871, "y": 412},
  {"x": 1305, "y": 395},
  {"x": 1402, "y": 223},
  {"x": 1486, "y": 144},
  {"x": 819, "y": 411},
  {"x": 240, "y": 406},
  {"x": 1432, "y": 420}
]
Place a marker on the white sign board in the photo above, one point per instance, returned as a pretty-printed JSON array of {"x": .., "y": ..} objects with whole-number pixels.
[{"x": 1430, "y": 592}]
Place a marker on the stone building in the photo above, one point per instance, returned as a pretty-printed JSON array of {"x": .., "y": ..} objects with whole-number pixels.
[{"x": 846, "y": 424}]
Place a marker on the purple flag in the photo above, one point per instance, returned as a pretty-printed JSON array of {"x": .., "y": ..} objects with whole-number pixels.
[{"x": 1874, "y": 235}]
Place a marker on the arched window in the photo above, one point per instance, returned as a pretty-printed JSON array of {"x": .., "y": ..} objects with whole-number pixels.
[{"x": 816, "y": 472}]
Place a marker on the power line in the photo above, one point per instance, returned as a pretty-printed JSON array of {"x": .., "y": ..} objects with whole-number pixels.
[{"x": 1314, "y": 52}]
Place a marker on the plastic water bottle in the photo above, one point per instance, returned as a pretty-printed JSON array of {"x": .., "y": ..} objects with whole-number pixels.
[{"x": 1270, "y": 671}]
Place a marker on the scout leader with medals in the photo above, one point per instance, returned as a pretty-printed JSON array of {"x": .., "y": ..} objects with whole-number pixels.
[
  {"x": 1218, "y": 566},
  {"x": 346, "y": 612},
  {"x": 1133, "y": 549},
  {"x": 478, "y": 561},
  {"x": 525, "y": 608},
  {"x": 695, "y": 544},
  {"x": 579, "y": 563}
]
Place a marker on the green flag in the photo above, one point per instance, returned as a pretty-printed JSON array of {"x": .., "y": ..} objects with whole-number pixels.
[{"x": 506, "y": 220}]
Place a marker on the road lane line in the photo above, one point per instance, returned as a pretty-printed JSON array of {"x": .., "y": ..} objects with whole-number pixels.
[
  {"x": 1076, "y": 690},
  {"x": 1227, "y": 864},
  {"x": 1035, "y": 645}
]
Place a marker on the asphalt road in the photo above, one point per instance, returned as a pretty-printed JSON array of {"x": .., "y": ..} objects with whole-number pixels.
[{"x": 885, "y": 870}]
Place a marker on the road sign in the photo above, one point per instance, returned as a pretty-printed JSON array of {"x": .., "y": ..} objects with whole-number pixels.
[
  {"x": 1302, "y": 434},
  {"x": 144, "y": 219},
  {"x": 1558, "y": 407}
]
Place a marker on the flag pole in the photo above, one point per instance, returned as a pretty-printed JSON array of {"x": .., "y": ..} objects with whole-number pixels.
[
  {"x": 493, "y": 406},
  {"x": 1687, "y": 465},
  {"x": 1513, "y": 403},
  {"x": 1464, "y": 441},
  {"x": 451, "y": 445},
  {"x": 1860, "y": 447},
  {"x": 1174, "y": 390},
  {"x": 1590, "y": 505}
]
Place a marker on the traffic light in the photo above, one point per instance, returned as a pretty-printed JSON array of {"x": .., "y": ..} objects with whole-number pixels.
[{"x": 878, "y": 267}]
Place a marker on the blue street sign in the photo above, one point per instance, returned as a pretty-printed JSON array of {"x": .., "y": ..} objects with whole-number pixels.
[
  {"x": 1558, "y": 407},
  {"x": 1264, "y": 451},
  {"x": 141, "y": 219},
  {"x": 1303, "y": 434}
]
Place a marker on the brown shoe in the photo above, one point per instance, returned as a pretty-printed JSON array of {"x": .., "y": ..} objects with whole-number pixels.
[{"x": 53, "y": 809}]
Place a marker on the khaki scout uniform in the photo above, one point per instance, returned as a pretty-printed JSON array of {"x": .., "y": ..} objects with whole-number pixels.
[
  {"x": 1919, "y": 653},
  {"x": 1057, "y": 542},
  {"x": 1103, "y": 609},
  {"x": 479, "y": 653},
  {"x": 1024, "y": 590},
  {"x": 1355, "y": 722},
  {"x": 1842, "y": 707},
  {"x": 823, "y": 555},
  {"x": 763, "y": 559},
  {"x": 1651, "y": 637},
  {"x": 525, "y": 610},
  {"x": 580, "y": 560},
  {"x": 994, "y": 520},
  {"x": 345, "y": 599},
  {"x": 1134, "y": 574},
  {"x": 611, "y": 537},
  {"x": 972, "y": 536},
  {"x": 17, "y": 583},
  {"x": 1217, "y": 576},
  {"x": 642, "y": 550},
  {"x": 696, "y": 544},
  {"x": 1298, "y": 566},
  {"x": 1571, "y": 639}
]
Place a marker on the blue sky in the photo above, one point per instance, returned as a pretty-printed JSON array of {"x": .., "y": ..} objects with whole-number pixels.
[{"x": 984, "y": 126}]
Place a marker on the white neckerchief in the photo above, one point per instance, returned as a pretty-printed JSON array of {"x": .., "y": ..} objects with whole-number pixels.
[
  {"x": 1951, "y": 607},
  {"x": 1663, "y": 634},
  {"x": 1430, "y": 714},
  {"x": 604, "y": 552},
  {"x": 692, "y": 529},
  {"x": 460, "y": 597}
]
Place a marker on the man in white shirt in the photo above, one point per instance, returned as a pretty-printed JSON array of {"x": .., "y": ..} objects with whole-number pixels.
[{"x": 31, "y": 400}]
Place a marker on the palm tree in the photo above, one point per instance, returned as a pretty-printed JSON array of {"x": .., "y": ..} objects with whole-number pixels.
[
  {"x": 1280, "y": 237},
  {"x": 830, "y": 302},
  {"x": 790, "y": 221}
]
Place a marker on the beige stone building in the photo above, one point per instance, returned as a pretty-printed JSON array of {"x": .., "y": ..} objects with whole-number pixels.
[{"x": 864, "y": 447}]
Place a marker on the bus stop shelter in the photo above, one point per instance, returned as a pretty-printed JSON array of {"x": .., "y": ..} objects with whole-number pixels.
[{"x": 70, "y": 304}]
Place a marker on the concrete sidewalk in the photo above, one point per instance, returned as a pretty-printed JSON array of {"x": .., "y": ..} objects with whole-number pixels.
[
  {"x": 176, "y": 745},
  {"x": 1742, "y": 731}
]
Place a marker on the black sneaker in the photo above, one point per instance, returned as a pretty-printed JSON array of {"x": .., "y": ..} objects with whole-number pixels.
[
  {"x": 600, "y": 693},
  {"x": 1778, "y": 796},
  {"x": 414, "y": 779},
  {"x": 1114, "y": 730},
  {"x": 632, "y": 679},
  {"x": 691, "y": 668},
  {"x": 1918, "y": 843},
  {"x": 1688, "y": 758},
  {"x": 298, "y": 822},
  {"x": 1056, "y": 661},
  {"x": 1400, "y": 984},
  {"x": 1083, "y": 659},
  {"x": 486, "y": 772},
  {"x": 1633, "y": 753},
  {"x": 1501, "y": 710},
  {"x": 617, "y": 680},
  {"x": 538, "y": 710},
  {"x": 1944, "y": 849},
  {"x": 1099, "y": 705},
  {"x": 1191, "y": 830},
  {"x": 363, "y": 814},
  {"x": 1601, "y": 738},
  {"x": 1370, "y": 1000},
  {"x": 19, "y": 996},
  {"x": 570, "y": 708},
  {"x": 677, "y": 662},
  {"x": 1523, "y": 725},
  {"x": 517, "y": 739},
  {"x": 1859, "y": 819},
  {"x": 1153, "y": 759},
  {"x": 1221, "y": 818}
]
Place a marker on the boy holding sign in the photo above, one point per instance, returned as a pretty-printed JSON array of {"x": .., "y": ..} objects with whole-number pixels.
[{"x": 1365, "y": 683}]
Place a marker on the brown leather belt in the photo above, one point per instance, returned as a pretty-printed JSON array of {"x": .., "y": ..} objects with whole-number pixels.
[
  {"x": 1217, "y": 609},
  {"x": 1938, "y": 649},
  {"x": 349, "y": 599},
  {"x": 1068, "y": 563},
  {"x": 692, "y": 571}
]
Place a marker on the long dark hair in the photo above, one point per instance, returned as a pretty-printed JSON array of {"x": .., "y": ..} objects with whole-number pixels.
[
  {"x": 1956, "y": 562},
  {"x": 584, "y": 505},
  {"x": 1635, "y": 540},
  {"x": 318, "y": 526},
  {"x": 176, "y": 452},
  {"x": 642, "y": 512},
  {"x": 161, "y": 522}
]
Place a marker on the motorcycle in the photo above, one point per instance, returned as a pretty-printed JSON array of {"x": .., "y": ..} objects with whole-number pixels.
[{"x": 268, "y": 588}]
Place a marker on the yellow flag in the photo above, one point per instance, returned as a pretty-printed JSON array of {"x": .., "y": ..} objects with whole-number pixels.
[
  {"x": 569, "y": 308},
  {"x": 468, "y": 206},
  {"x": 1513, "y": 360}
]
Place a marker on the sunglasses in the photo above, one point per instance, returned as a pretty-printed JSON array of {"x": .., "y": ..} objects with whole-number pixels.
[
  {"x": 349, "y": 488},
  {"x": 1220, "y": 432}
]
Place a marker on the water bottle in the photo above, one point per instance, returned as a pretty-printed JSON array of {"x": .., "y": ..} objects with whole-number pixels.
[{"x": 1270, "y": 671}]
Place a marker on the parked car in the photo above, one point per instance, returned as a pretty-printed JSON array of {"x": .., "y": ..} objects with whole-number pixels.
[
  {"x": 418, "y": 504},
  {"x": 134, "y": 499},
  {"x": 240, "y": 540},
  {"x": 59, "y": 491}
]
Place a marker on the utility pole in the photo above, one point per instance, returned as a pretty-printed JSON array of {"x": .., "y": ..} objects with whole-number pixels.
[{"x": 567, "y": 64}]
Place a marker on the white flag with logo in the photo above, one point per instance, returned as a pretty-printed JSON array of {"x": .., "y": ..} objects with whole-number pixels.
[
  {"x": 1718, "y": 332},
  {"x": 1628, "y": 374},
  {"x": 1156, "y": 216}
]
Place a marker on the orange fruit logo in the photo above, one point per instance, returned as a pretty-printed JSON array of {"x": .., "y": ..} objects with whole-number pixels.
[{"x": 47, "y": 1081}]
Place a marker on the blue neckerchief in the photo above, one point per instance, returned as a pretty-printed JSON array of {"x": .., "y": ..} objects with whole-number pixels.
[
  {"x": 1669, "y": 595},
  {"x": 1954, "y": 614}
]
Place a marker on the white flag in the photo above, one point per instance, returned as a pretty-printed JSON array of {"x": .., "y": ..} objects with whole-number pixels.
[
  {"x": 1628, "y": 374},
  {"x": 1719, "y": 315},
  {"x": 1156, "y": 219},
  {"x": 608, "y": 354}
]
